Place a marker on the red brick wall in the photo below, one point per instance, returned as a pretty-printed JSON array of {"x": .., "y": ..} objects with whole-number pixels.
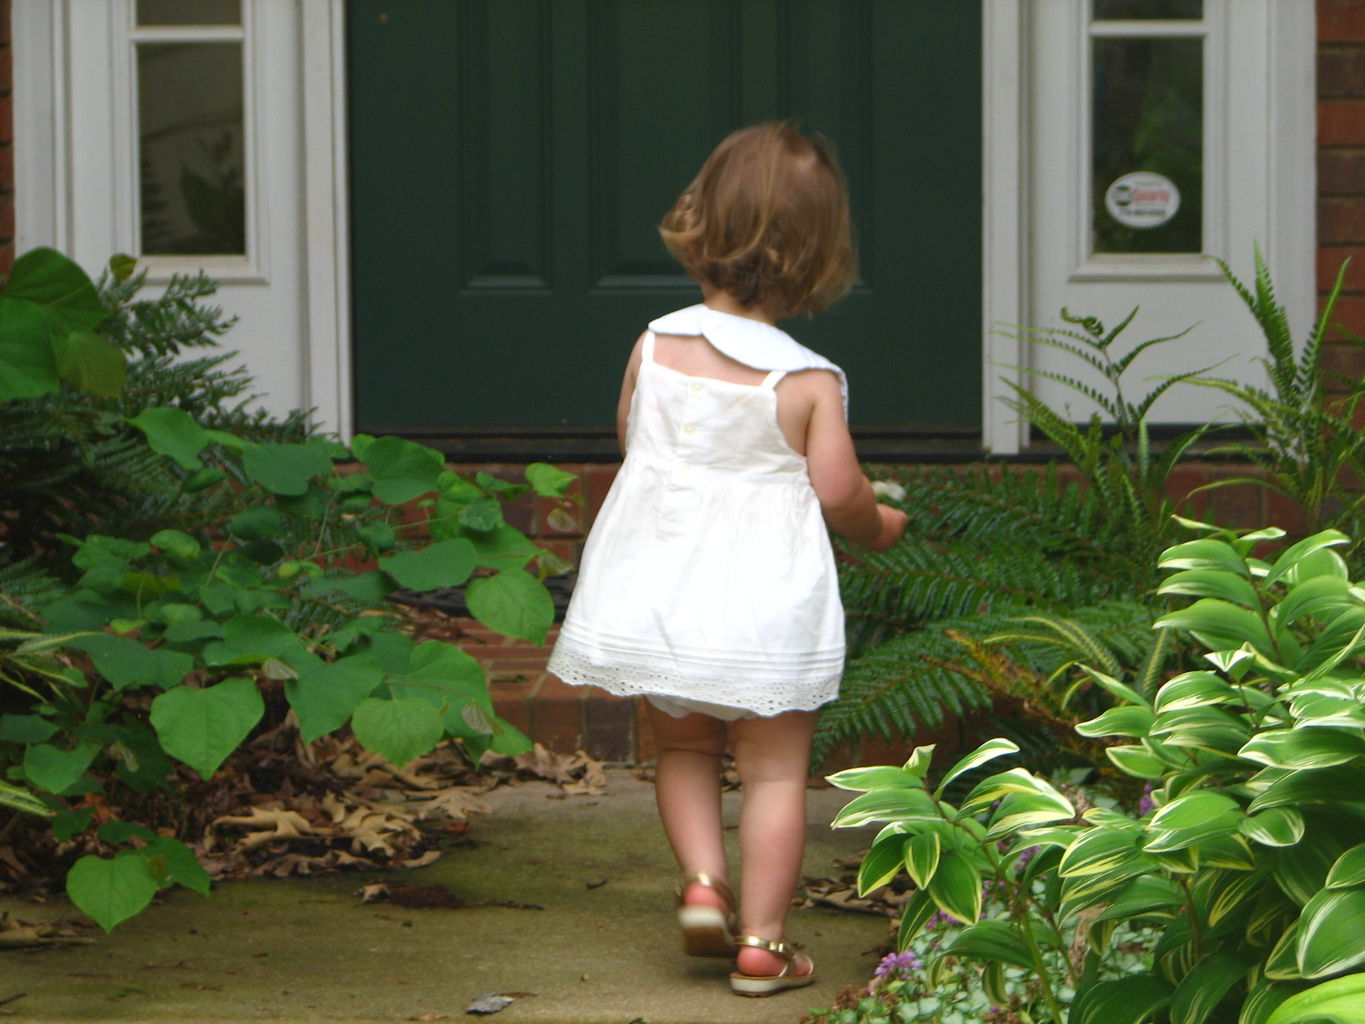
[
  {"x": 1341, "y": 166},
  {"x": 6, "y": 143}
]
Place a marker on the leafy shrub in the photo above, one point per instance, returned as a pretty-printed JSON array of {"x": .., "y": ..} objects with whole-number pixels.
[
  {"x": 980, "y": 550},
  {"x": 79, "y": 360},
  {"x": 168, "y": 647},
  {"x": 934, "y": 622},
  {"x": 1306, "y": 441},
  {"x": 1115, "y": 453},
  {"x": 1250, "y": 867}
]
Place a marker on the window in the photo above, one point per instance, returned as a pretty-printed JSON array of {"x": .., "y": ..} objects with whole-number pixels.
[
  {"x": 190, "y": 103},
  {"x": 1147, "y": 127}
]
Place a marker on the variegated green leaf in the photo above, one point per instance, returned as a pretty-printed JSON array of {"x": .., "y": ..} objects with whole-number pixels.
[
  {"x": 1282, "y": 964},
  {"x": 1295, "y": 559},
  {"x": 1204, "y": 553},
  {"x": 863, "y": 780},
  {"x": 1028, "y": 810},
  {"x": 1277, "y": 826},
  {"x": 1099, "y": 851},
  {"x": 916, "y": 913},
  {"x": 1194, "y": 809},
  {"x": 991, "y": 940},
  {"x": 1340, "y": 1001},
  {"x": 1301, "y": 870},
  {"x": 1134, "y": 1000},
  {"x": 956, "y": 887},
  {"x": 882, "y": 862},
  {"x": 1193, "y": 690},
  {"x": 1319, "y": 595},
  {"x": 1313, "y": 747},
  {"x": 1202, "y": 989},
  {"x": 1349, "y": 869},
  {"x": 998, "y": 786},
  {"x": 1219, "y": 625},
  {"x": 1330, "y": 933},
  {"x": 921, "y": 857},
  {"x": 1146, "y": 896},
  {"x": 1262, "y": 1000},
  {"x": 1220, "y": 583},
  {"x": 1136, "y": 761},
  {"x": 988, "y": 751},
  {"x": 891, "y": 805},
  {"x": 1120, "y": 721}
]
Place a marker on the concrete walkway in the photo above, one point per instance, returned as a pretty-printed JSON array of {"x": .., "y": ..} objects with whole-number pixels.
[{"x": 602, "y": 951}]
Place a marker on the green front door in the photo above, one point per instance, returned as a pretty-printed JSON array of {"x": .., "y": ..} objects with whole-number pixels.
[{"x": 511, "y": 158}]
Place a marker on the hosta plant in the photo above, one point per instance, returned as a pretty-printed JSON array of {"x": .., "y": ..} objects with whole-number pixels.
[{"x": 1249, "y": 867}]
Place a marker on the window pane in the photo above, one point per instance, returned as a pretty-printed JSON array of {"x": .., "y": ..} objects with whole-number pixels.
[
  {"x": 1147, "y": 10},
  {"x": 189, "y": 12},
  {"x": 1147, "y": 165},
  {"x": 191, "y": 138}
]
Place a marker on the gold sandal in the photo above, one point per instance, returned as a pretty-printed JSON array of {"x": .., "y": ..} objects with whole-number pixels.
[
  {"x": 707, "y": 931},
  {"x": 770, "y": 984}
]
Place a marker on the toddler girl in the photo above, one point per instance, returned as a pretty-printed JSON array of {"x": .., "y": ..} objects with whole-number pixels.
[{"x": 708, "y": 582}]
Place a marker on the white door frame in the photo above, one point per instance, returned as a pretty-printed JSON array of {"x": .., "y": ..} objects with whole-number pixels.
[
  {"x": 327, "y": 215},
  {"x": 1004, "y": 215},
  {"x": 49, "y": 210}
]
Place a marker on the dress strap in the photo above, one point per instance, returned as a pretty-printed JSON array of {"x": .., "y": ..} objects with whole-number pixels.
[
  {"x": 647, "y": 349},
  {"x": 771, "y": 380}
]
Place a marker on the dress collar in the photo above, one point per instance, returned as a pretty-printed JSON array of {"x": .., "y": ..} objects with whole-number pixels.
[{"x": 751, "y": 342}]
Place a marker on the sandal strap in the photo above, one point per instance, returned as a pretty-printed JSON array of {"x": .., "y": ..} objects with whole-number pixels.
[
  {"x": 709, "y": 881},
  {"x": 775, "y": 946},
  {"x": 785, "y": 950}
]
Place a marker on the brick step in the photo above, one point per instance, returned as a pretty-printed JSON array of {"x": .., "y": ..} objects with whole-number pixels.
[{"x": 565, "y": 718}]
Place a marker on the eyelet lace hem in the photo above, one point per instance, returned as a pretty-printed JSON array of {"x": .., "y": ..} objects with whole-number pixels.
[{"x": 763, "y": 696}]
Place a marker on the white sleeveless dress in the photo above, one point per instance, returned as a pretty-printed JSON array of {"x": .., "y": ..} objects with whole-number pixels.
[{"x": 708, "y": 580}]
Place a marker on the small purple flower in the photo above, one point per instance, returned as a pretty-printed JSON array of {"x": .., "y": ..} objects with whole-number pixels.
[
  {"x": 1146, "y": 805},
  {"x": 895, "y": 963}
]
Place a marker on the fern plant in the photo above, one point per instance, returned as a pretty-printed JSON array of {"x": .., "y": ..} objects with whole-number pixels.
[
  {"x": 935, "y": 622},
  {"x": 1114, "y": 452},
  {"x": 70, "y": 462},
  {"x": 1306, "y": 442}
]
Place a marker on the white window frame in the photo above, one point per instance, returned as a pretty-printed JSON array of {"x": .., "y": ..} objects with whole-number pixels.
[
  {"x": 1212, "y": 32},
  {"x": 254, "y": 265}
]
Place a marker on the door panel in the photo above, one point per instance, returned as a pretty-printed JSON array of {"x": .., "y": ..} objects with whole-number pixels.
[{"x": 512, "y": 158}]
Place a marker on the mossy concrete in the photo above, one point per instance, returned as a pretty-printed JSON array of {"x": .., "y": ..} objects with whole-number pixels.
[{"x": 603, "y": 950}]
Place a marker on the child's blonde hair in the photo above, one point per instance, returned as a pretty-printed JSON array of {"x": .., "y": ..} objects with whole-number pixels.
[{"x": 766, "y": 220}]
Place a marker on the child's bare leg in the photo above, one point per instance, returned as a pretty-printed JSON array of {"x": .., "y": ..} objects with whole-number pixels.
[
  {"x": 773, "y": 759},
  {"x": 687, "y": 789}
]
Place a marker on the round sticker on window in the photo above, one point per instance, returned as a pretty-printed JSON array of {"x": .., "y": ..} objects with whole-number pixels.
[{"x": 1142, "y": 199}]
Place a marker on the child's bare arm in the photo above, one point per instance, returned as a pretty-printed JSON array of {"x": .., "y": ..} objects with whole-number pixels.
[
  {"x": 627, "y": 392},
  {"x": 845, "y": 493}
]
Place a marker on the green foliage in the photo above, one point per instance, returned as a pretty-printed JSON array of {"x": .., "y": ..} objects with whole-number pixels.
[
  {"x": 1306, "y": 442},
  {"x": 70, "y": 461},
  {"x": 1114, "y": 452},
  {"x": 211, "y": 575},
  {"x": 981, "y": 550},
  {"x": 1249, "y": 869},
  {"x": 49, "y": 310}
]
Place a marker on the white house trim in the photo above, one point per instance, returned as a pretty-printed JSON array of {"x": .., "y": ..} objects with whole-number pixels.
[
  {"x": 327, "y": 215},
  {"x": 41, "y": 187},
  {"x": 1004, "y": 216}
]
